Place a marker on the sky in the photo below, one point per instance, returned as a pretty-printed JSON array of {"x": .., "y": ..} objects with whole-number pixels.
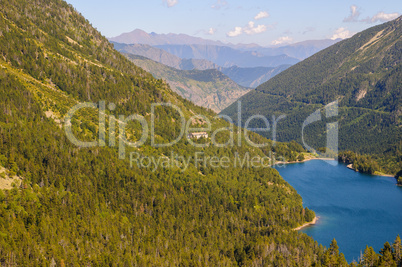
[{"x": 264, "y": 22}]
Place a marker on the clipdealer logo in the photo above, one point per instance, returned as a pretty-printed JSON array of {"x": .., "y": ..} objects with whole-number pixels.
[
  {"x": 148, "y": 131},
  {"x": 117, "y": 136}
]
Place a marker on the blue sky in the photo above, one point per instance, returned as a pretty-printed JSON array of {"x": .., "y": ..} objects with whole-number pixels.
[{"x": 265, "y": 22}]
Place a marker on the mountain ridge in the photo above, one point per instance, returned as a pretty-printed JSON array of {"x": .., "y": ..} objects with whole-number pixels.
[
  {"x": 227, "y": 57},
  {"x": 299, "y": 50},
  {"x": 165, "y": 57},
  {"x": 361, "y": 72},
  {"x": 138, "y": 36},
  {"x": 247, "y": 77},
  {"x": 208, "y": 88}
]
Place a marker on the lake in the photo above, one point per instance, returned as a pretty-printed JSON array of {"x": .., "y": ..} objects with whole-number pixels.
[{"x": 356, "y": 209}]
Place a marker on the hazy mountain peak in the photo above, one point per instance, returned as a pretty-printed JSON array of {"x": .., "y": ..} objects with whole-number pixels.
[
  {"x": 141, "y": 37},
  {"x": 300, "y": 50}
]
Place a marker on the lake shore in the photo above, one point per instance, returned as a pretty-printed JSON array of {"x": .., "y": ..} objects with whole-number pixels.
[
  {"x": 305, "y": 160},
  {"x": 350, "y": 166},
  {"x": 314, "y": 221}
]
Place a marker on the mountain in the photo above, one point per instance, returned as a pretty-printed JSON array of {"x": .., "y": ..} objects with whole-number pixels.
[
  {"x": 161, "y": 56},
  {"x": 362, "y": 73},
  {"x": 247, "y": 77},
  {"x": 252, "y": 77},
  {"x": 204, "y": 57},
  {"x": 207, "y": 88},
  {"x": 300, "y": 50},
  {"x": 141, "y": 37},
  {"x": 95, "y": 192},
  {"x": 227, "y": 57}
]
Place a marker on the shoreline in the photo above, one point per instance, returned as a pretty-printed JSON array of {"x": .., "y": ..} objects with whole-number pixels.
[
  {"x": 313, "y": 222},
  {"x": 305, "y": 160},
  {"x": 350, "y": 167}
]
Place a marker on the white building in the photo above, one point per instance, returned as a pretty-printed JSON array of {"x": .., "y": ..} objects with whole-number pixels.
[{"x": 198, "y": 135}]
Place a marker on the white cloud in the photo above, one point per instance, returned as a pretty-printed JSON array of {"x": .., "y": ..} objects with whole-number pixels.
[
  {"x": 354, "y": 14},
  {"x": 382, "y": 17},
  {"x": 249, "y": 29},
  {"x": 211, "y": 31},
  {"x": 219, "y": 4},
  {"x": 261, "y": 15},
  {"x": 282, "y": 40},
  {"x": 379, "y": 17},
  {"x": 341, "y": 33},
  {"x": 171, "y": 3},
  {"x": 236, "y": 32}
]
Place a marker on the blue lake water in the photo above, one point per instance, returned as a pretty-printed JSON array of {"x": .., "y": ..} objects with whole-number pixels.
[{"x": 354, "y": 208}]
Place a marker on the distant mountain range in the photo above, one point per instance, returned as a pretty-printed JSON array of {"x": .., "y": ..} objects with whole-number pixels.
[
  {"x": 299, "y": 50},
  {"x": 141, "y": 37},
  {"x": 252, "y": 77},
  {"x": 247, "y": 77},
  {"x": 249, "y": 65},
  {"x": 164, "y": 57},
  {"x": 207, "y": 88},
  {"x": 362, "y": 73},
  {"x": 219, "y": 65},
  {"x": 225, "y": 56}
]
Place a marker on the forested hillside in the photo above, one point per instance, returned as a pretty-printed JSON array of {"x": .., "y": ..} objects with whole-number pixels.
[
  {"x": 80, "y": 206},
  {"x": 363, "y": 74},
  {"x": 84, "y": 206}
]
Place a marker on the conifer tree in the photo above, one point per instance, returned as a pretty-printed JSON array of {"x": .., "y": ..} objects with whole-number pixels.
[
  {"x": 386, "y": 258},
  {"x": 397, "y": 249},
  {"x": 370, "y": 258}
]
